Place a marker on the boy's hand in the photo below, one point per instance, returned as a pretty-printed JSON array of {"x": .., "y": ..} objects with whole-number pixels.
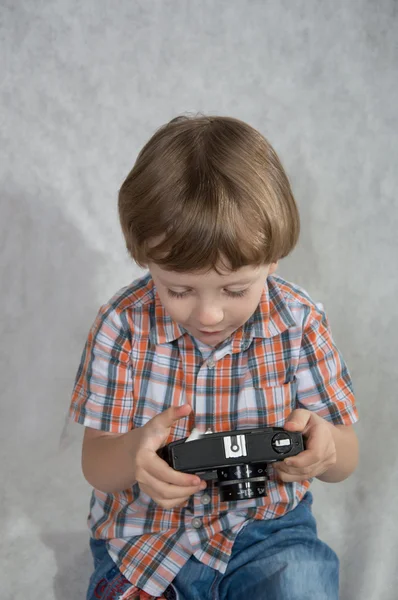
[
  {"x": 320, "y": 452},
  {"x": 166, "y": 486}
]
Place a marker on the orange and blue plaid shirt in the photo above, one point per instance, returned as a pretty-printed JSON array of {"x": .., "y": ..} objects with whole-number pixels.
[{"x": 137, "y": 362}]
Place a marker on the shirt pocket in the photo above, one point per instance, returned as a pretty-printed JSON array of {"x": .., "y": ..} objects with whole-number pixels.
[{"x": 266, "y": 406}]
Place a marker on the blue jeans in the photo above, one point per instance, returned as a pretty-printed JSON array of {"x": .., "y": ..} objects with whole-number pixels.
[{"x": 277, "y": 559}]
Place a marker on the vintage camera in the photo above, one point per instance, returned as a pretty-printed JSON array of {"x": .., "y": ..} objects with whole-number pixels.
[{"x": 237, "y": 460}]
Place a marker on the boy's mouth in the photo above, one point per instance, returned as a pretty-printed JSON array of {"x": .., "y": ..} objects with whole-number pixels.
[
  {"x": 211, "y": 335},
  {"x": 211, "y": 332},
  {"x": 202, "y": 331}
]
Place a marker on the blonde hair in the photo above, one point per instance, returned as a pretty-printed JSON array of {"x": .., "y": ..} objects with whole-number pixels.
[{"x": 208, "y": 191}]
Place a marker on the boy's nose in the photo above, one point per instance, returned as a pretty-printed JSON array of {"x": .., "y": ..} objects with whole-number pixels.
[{"x": 210, "y": 317}]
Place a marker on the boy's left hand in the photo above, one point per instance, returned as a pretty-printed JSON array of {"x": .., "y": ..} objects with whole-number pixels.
[{"x": 320, "y": 450}]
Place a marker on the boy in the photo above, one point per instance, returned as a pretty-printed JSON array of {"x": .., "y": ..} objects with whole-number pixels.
[{"x": 210, "y": 338}]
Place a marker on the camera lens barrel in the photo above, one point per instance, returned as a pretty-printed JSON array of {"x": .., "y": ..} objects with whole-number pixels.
[{"x": 242, "y": 482}]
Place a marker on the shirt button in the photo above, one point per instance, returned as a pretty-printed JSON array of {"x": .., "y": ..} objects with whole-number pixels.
[
  {"x": 210, "y": 363},
  {"x": 196, "y": 522},
  {"x": 205, "y": 499}
]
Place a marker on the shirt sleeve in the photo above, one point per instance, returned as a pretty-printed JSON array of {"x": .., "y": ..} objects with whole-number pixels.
[
  {"x": 102, "y": 395},
  {"x": 324, "y": 383}
]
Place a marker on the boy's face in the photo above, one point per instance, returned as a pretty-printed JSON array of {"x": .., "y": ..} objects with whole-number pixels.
[{"x": 204, "y": 302}]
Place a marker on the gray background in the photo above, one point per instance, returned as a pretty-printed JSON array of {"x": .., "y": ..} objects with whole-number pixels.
[{"x": 83, "y": 86}]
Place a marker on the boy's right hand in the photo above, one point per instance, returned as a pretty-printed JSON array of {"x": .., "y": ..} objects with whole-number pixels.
[{"x": 166, "y": 486}]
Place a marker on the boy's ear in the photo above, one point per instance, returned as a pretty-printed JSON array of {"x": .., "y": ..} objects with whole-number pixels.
[{"x": 272, "y": 268}]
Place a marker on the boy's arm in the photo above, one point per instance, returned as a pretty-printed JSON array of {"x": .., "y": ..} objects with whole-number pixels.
[
  {"x": 114, "y": 462},
  {"x": 107, "y": 459},
  {"x": 115, "y": 457},
  {"x": 326, "y": 409},
  {"x": 347, "y": 454}
]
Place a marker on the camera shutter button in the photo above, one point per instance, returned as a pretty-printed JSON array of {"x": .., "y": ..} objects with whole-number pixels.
[{"x": 196, "y": 523}]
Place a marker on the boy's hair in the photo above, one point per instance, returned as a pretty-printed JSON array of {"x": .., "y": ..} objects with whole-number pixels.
[{"x": 207, "y": 192}]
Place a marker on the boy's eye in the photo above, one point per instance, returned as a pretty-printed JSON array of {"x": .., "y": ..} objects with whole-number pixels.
[
  {"x": 236, "y": 294},
  {"x": 177, "y": 294},
  {"x": 232, "y": 294}
]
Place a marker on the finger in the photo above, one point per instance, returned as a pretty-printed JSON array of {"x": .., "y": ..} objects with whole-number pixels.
[
  {"x": 157, "y": 429},
  {"x": 168, "y": 491},
  {"x": 319, "y": 449},
  {"x": 160, "y": 470},
  {"x": 168, "y": 417},
  {"x": 306, "y": 472},
  {"x": 297, "y": 420},
  {"x": 302, "y": 460}
]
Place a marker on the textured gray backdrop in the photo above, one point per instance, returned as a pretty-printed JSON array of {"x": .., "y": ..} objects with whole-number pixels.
[{"x": 83, "y": 85}]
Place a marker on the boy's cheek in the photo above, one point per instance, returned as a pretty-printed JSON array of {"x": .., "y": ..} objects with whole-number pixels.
[{"x": 179, "y": 314}]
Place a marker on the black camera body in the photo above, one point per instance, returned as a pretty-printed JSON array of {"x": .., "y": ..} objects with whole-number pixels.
[{"x": 237, "y": 460}]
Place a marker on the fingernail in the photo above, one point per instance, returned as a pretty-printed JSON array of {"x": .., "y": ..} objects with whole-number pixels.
[{"x": 203, "y": 485}]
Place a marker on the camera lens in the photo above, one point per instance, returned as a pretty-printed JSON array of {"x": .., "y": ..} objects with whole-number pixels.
[{"x": 242, "y": 482}]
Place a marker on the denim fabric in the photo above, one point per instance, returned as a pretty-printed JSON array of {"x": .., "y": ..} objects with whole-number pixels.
[
  {"x": 107, "y": 582},
  {"x": 277, "y": 559}
]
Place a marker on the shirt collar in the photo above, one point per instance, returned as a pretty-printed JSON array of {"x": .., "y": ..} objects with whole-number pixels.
[{"x": 271, "y": 317}]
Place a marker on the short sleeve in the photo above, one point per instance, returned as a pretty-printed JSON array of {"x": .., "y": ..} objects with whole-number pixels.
[
  {"x": 324, "y": 383},
  {"x": 102, "y": 394}
]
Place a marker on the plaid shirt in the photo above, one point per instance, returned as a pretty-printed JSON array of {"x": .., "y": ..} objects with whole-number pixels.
[{"x": 137, "y": 362}]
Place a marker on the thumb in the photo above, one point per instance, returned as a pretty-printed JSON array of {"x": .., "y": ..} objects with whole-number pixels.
[
  {"x": 158, "y": 428},
  {"x": 297, "y": 420}
]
